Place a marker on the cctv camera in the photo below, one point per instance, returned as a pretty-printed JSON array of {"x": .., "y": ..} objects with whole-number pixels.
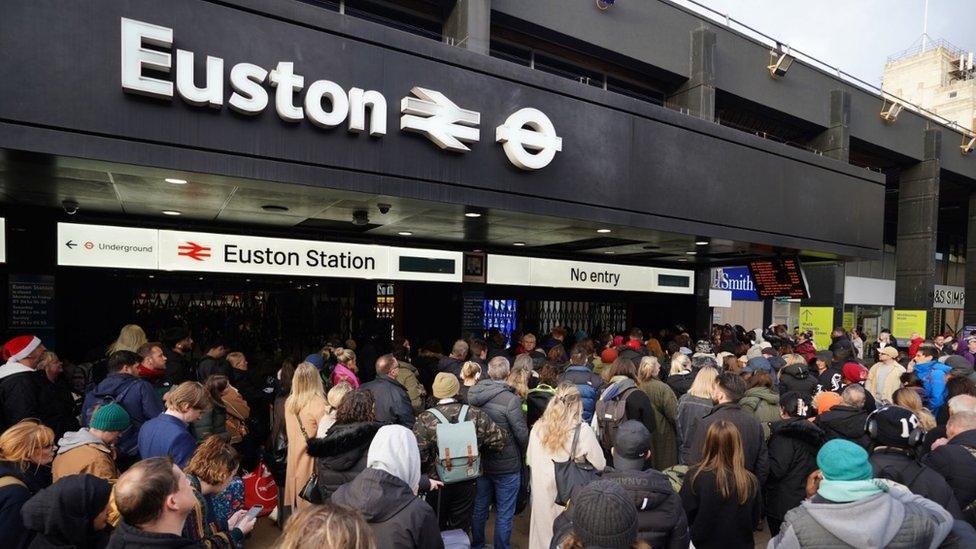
[
  {"x": 70, "y": 207},
  {"x": 360, "y": 217},
  {"x": 384, "y": 208}
]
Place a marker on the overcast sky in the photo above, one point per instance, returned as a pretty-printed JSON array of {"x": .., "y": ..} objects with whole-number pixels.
[{"x": 855, "y": 35}]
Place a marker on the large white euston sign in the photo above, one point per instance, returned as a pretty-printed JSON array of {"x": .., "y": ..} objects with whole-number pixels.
[
  {"x": 124, "y": 247},
  {"x": 558, "y": 273},
  {"x": 528, "y": 137}
]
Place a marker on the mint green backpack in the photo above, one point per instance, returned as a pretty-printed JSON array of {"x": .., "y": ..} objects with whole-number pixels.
[{"x": 457, "y": 448}]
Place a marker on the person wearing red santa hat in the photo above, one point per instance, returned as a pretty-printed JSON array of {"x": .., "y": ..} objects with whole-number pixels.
[{"x": 20, "y": 383}]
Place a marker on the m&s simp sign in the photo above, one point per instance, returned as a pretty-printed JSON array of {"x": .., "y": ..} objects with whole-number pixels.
[{"x": 736, "y": 280}]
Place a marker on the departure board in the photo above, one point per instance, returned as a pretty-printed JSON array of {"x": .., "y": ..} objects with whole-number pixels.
[{"x": 779, "y": 277}]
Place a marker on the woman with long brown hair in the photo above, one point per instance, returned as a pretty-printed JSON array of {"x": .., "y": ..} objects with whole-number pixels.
[
  {"x": 720, "y": 495},
  {"x": 906, "y": 397},
  {"x": 327, "y": 526},
  {"x": 551, "y": 440}
]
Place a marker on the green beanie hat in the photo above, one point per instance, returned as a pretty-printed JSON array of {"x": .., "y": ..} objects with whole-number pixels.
[{"x": 110, "y": 417}]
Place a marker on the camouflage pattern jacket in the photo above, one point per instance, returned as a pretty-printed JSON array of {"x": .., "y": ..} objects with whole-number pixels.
[{"x": 491, "y": 438}]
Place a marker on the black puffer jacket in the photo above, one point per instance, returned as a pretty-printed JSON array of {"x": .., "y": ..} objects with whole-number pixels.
[
  {"x": 450, "y": 365},
  {"x": 957, "y": 464},
  {"x": 902, "y": 467},
  {"x": 661, "y": 520},
  {"x": 797, "y": 377},
  {"x": 793, "y": 446},
  {"x": 847, "y": 422},
  {"x": 398, "y": 518},
  {"x": 504, "y": 407},
  {"x": 341, "y": 455}
]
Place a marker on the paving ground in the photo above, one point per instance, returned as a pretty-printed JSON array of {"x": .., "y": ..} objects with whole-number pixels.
[{"x": 266, "y": 533}]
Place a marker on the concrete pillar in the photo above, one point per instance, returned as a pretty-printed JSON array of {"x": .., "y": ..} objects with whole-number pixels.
[
  {"x": 918, "y": 225},
  {"x": 703, "y": 312},
  {"x": 468, "y": 25},
  {"x": 697, "y": 95},
  {"x": 835, "y": 141},
  {"x": 969, "y": 315}
]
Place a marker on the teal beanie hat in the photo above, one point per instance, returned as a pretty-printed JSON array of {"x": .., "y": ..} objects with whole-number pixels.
[{"x": 110, "y": 417}]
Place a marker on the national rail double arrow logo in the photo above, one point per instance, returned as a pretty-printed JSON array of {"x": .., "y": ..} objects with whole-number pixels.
[{"x": 193, "y": 251}]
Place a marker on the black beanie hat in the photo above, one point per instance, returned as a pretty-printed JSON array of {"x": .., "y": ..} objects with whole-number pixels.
[{"x": 604, "y": 516}]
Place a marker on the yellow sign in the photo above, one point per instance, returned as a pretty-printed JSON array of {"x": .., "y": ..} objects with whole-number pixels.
[
  {"x": 820, "y": 321},
  {"x": 904, "y": 323},
  {"x": 848, "y": 322}
]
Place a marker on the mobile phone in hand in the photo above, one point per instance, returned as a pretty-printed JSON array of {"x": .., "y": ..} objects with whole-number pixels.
[{"x": 253, "y": 512}]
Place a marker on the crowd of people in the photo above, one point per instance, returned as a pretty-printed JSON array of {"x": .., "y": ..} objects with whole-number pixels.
[{"x": 604, "y": 440}]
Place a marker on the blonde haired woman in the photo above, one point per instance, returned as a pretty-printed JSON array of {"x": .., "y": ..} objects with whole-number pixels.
[
  {"x": 131, "y": 337},
  {"x": 304, "y": 408},
  {"x": 333, "y": 400},
  {"x": 470, "y": 374},
  {"x": 327, "y": 526},
  {"x": 345, "y": 368},
  {"x": 906, "y": 397},
  {"x": 680, "y": 377},
  {"x": 26, "y": 452},
  {"x": 691, "y": 408},
  {"x": 551, "y": 440}
]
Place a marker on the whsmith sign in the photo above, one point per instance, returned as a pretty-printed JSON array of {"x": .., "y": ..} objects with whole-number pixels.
[
  {"x": 133, "y": 248},
  {"x": 527, "y": 136}
]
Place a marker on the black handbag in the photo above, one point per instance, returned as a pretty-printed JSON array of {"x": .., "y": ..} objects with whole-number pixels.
[
  {"x": 571, "y": 474},
  {"x": 310, "y": 492}
]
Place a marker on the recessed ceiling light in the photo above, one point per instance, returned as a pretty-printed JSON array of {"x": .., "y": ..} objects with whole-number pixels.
[
  {"x": 172, "y": 212},
  {"x": 247, "y": 280},
  {"x": 199, "y": 278},
  {"x": 691, "y": 252},
  {"x": 683, "y": 259},
  {"x": 274, "y": 208},
  {"x": 405, "y": 233},
  {"x": 609, "y": 252},
  {"x": 604, "y": 231},
  {"x": 518, "y": 243},
  {"x": 472, "y": 214},
  {"x": 701, "y": 243},
  {"x": 152, "y": 276},
  {"x": 175, "y": 181},
  {"x": 478, "y": 251}
]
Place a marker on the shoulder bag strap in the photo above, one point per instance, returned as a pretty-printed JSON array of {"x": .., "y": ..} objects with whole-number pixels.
[
  {"x": 572, "y": 450},
  {"x": 437, "y": 413},
  {"x": 11, "y": 480},
  {"x": 463, "y": 414},
  {"x": 302, "y": 427}
]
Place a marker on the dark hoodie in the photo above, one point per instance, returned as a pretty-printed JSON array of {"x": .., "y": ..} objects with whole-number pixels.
[
  {"x": 398, "y": 518},
  {"x": 450, "y": 365},
  {"x": 504, "y": 407},
  {"x": 797, "y": 377},
  {"x": 62, "y": 515},
  {"x": 341, "y": 455},
  {"x": 128, "y": 537},
  {"x": 793, "y": 446},
  {"x": 847, "y": 422}
]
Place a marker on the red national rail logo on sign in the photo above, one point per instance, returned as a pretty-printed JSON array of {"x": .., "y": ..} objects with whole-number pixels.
[{"x": 194, "y": 251}]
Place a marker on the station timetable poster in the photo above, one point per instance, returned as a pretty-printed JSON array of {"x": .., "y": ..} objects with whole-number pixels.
[{"x": 779, "y": 277}]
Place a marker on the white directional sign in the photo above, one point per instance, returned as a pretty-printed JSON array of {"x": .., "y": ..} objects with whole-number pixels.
[
  {"x": 529, "y": 139},
  {"x": 125, "y": 247},
  {"x": 100, "y": 246},
  {"x": 558, "y": 273},
  {"x": 437, "y": 117}
]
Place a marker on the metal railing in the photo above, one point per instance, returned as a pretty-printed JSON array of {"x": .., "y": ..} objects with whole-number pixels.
[{"x": 921, "y": 47}]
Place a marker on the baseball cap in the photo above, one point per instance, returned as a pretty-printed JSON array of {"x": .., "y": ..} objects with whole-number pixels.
[
  {"x": 632, "y": 443},
  {"x": 891, "y": 430},
  {"x": 890, "y": 351}
]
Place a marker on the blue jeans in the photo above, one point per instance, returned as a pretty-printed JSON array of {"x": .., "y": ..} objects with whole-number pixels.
[{"x": 505, "y": 489}]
